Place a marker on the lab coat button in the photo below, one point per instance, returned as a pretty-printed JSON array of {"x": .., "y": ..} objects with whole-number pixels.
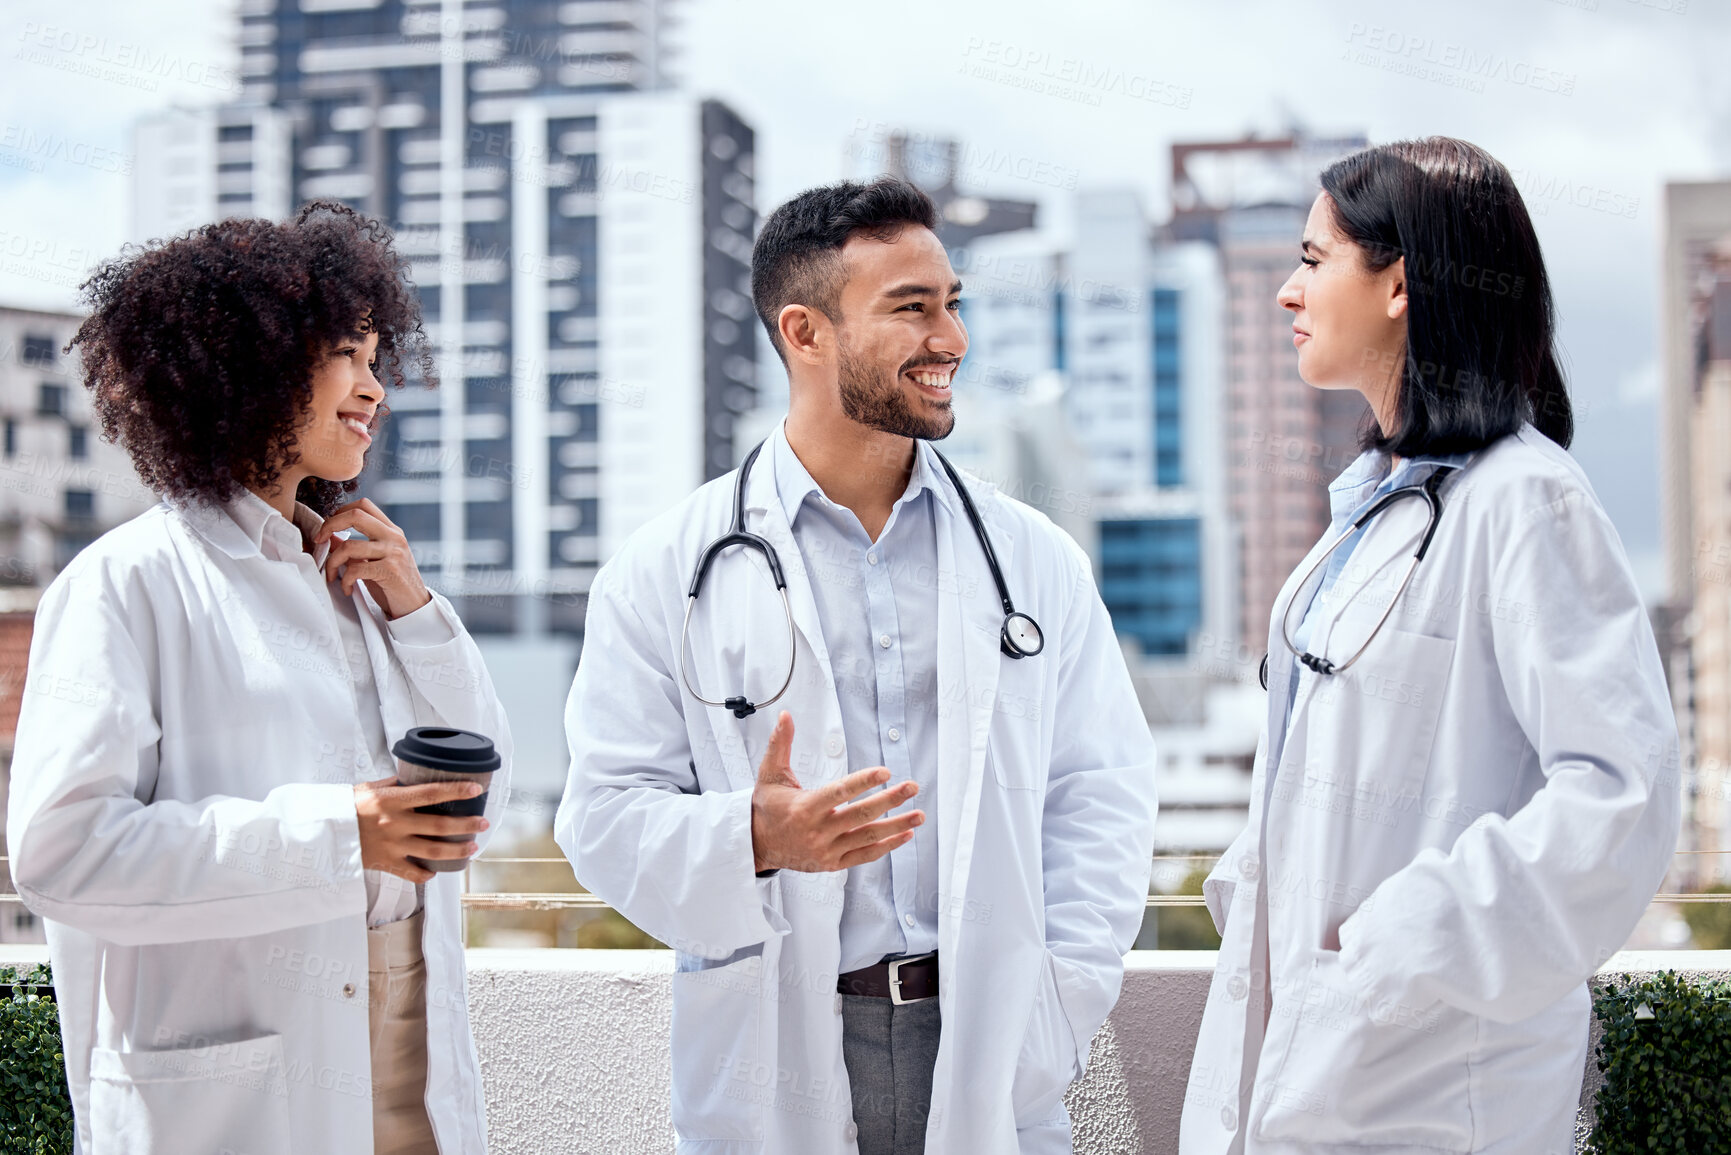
[
  {"x": 871, "y": 559},
  {"x": 833, "y": 745},
  {"x": 884, "y": 641},
  {"x": 850, "y": 1132},
  {"x": 1235, "y": 987},
  {"x": 1249, "y": 868},
  {"x": 895, "y": 734},
  {"x": 348, "y": 990},
  {"x": 1229, "y": 1118},
  {"x": 908, "y": 918}
]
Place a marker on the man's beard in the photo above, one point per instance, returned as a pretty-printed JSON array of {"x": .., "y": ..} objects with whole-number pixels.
[{"x": 868, "y": 398}]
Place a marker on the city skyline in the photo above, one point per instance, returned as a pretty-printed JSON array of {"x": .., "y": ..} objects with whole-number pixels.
[{"x": 1566, "y": 95}]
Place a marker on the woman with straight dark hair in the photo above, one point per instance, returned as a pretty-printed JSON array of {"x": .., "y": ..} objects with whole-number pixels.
[{"x": 1465, "y": 793}]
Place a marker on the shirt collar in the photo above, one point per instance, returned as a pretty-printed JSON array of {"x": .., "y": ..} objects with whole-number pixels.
[
  {"x": 794, "y": 483},
  {"x": 1370, "y": 476},
  {"x": 270, "y": 532}
]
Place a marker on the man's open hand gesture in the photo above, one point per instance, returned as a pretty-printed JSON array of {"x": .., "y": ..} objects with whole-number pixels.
[{"x": 822, "y": 829}]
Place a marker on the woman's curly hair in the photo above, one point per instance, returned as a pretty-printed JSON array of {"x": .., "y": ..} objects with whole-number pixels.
[{"x": 200, "y": 351}]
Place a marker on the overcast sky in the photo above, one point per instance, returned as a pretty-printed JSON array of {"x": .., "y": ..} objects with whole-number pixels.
[{"x": 1598, "y": 101}]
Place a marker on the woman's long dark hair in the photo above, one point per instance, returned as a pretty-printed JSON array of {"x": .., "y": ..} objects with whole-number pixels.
[{"x": 1480, "y": 349}]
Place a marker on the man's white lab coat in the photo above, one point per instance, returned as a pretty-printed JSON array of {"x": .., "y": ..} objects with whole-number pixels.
[{"x": 1045, "y": 811}]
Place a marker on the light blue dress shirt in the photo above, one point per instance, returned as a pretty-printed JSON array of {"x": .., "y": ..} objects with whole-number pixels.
[
  {"x": 1360, "y": 484},
  {"x": 878, "y": 608}
]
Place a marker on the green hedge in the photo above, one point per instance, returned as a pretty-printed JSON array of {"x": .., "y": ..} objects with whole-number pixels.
[
  {"x": 35, "y": 1110},
  {"x": 1666, "y": 1055}
]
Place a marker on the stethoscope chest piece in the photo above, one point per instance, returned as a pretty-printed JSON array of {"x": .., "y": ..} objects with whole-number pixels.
[{"x": 1021, "y": 636}]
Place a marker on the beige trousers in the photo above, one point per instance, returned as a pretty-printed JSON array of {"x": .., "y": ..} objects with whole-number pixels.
[{"x": 397, "y": 1021}]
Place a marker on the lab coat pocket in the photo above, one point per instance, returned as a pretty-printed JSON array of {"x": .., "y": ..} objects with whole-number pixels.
[
  {"x": 1047, "y": 1064},
  {"x": 1373, "y": 1074},
  {"x": 1370, "y": 731},
  {"x": 721, "y": 1083},
  {"x": 226, "y": 1099}
]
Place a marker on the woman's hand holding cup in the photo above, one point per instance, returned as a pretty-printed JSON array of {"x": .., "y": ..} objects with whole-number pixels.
[{"x": 394, "y": 835}]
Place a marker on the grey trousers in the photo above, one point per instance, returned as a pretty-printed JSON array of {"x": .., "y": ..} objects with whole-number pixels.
[{"x": 890, "y": 1052}]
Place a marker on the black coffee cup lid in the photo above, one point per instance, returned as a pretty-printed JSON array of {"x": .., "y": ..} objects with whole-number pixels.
[{"x": 446, "y": 748}]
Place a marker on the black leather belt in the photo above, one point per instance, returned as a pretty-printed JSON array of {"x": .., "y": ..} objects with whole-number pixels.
[{"x": 902, "y": 980}]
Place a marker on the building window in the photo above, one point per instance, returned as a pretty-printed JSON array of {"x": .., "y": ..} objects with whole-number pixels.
[
  {"x": 80, "y": 504},
  {"x": 51, "y": 400},
  {"x": 77, "y": 442},
  {"x": 38, "y": 350}
]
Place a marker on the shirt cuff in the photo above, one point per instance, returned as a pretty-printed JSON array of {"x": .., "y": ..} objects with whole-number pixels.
[{"x": 427, "y": 626}]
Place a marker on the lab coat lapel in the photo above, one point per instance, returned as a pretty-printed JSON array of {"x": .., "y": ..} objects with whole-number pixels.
[
  {"x": 396, "y": 703},
  {"x": 1378, "y": 561},
  {"x": 765, "y": 517},
  {"x": 969, "y": 620},
  {"x": 739, "y": 635},
  {"x": 1280, "y": 662}
]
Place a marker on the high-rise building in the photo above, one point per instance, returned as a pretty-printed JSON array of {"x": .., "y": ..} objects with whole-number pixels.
[
  {"x": 1707, "y": 670},
  {"x": 1132, "y": 328},
  {"x": 1697, "y": 219},
  {"x": 936, "y": 165},
  {"x": 61, "y": 485},
  {"x": 1166, "y": 559},
  {"x": 1284, "y": 440},
  {"x": 1693, "y": 623},
  {"x": 581, "y": 238}
]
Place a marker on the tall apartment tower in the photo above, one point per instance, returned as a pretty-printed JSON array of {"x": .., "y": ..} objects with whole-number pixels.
[
  {"x": 1132, "y": 330},
  {"x": 1697, "y": 221},
  {"x": 1710, "y": 643},
  {"x": 1285, "y": 441},
  {"x": 61, "y": 485},
  {"x": 581, "y": 237},
  {"x": 1695, "y": 416}
]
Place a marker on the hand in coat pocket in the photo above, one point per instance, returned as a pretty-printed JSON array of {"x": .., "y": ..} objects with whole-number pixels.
[
  {"x": 1047, "y": 1064},
  {"x": 1361, "y": 1071}
]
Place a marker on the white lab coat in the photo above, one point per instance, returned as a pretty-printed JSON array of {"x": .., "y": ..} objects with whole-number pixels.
[
  {"x": 1462, "y": 828},
  {"x": 182, "y": 815},
  {"x": 1045, "y": 812}
]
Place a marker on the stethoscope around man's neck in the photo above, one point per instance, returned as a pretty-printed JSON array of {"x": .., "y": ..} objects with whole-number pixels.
[
  {"x": 1429, "y": 490},
  {"x": 1020, "y": 636}
]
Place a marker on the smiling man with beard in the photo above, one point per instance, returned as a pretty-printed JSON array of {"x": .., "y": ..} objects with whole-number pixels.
[{"x": 900, "y": 904}]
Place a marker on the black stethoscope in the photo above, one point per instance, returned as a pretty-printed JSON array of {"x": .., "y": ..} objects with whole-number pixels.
[
  {"x": 1427, "y": 489},
  {"x": 1019, "y": 638}
]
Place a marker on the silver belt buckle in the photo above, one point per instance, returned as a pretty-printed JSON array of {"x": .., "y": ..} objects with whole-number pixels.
[{"x": 896, "y": 979}]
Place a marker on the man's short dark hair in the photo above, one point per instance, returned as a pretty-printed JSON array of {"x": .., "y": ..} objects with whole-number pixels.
[{"x": 797, "y": 257}]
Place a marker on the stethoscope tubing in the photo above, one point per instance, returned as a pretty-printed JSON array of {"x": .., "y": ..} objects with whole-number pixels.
[
  {"x": 737, "y": 535},
  {"x": 685, "y": 646},
  {"x": 1427, "y": 489}
]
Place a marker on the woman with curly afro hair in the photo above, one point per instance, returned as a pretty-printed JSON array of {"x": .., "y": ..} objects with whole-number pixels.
[{"x": 249, "y": 949}]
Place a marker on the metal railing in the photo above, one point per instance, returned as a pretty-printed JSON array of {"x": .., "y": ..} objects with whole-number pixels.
[{"x": 582, "y": 900}]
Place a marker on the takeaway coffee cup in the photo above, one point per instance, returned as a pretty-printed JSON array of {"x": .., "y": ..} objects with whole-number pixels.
[{"x": 442, "y": 754}]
